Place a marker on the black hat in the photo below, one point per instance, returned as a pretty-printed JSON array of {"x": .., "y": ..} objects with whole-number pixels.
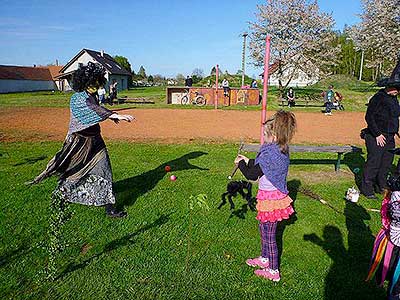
[{"x": 393, "y": 80}]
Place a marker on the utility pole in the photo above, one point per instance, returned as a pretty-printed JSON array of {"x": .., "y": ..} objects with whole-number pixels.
[
  {"x": 361, "y": 66},
  {"x": 244, "y": 56}
]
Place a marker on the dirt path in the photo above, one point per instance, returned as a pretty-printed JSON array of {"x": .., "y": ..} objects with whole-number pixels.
[{"x": 181, "y": 126}]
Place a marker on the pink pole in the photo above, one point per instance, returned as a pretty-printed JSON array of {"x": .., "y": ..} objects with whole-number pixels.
[
  {"x": 216, "y": 89},
  {"x": 265, "y": 87}
]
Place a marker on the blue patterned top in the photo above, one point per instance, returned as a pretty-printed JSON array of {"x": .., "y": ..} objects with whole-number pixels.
[
  {"x": 85, "y": 112},
  {"x": 274, "y": 164}
]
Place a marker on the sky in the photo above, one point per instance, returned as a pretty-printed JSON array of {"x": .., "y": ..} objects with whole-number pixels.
[{"x": 166, "y": 37}]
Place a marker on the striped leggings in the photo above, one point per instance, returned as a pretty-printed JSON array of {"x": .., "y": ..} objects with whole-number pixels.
[{"x": 269, "y": 248}]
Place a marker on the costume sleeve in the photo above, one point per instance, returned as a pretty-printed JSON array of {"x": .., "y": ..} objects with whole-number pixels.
[
  {"x": 251, "y": 170},
  {"x": 101, "y": 111},
  {"x": 369, "y": 116}
]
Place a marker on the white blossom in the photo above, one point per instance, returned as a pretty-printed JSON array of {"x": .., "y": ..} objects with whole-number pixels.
[{"x": 301, "y": 36}]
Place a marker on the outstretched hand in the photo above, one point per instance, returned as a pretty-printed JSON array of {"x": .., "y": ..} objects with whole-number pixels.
[{"x": 116, "y": 118}]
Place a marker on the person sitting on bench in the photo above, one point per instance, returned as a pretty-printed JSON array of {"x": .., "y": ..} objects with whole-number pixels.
[{"x": 290, "y": 97}]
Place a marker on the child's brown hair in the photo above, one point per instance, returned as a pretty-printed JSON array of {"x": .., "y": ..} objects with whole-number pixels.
[{"x": 282, "y": 125}]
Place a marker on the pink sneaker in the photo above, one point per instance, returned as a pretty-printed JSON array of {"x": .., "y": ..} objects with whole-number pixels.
[
  {"x": 268, "y": 274},
  {"x": 258, "y": 262}
]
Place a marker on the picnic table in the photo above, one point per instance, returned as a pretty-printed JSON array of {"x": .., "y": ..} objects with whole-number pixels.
[{"x": 340, "y": 150}]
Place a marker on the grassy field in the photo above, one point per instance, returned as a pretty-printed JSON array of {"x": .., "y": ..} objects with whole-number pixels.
[
  {"x": 356, "y": 95},
  {"x": 325, "y": 251}
]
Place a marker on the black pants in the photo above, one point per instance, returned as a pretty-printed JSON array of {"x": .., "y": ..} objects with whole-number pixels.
[{"x": 378, "y": 163}]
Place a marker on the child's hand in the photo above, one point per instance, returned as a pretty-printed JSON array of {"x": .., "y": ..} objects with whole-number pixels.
[{"x": 241, "y": 157}]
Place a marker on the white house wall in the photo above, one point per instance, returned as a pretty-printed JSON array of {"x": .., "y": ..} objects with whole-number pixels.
[
  {"x": 63, "y": 85},
  {"x": 300, "y": 79},
  {"x": 83, "y": 59},
  {"x": 121, "y": 79},
  {"x": 11, "y": 85}
]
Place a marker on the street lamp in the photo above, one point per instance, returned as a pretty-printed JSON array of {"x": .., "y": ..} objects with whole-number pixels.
[{"x": 244, "y": 55}]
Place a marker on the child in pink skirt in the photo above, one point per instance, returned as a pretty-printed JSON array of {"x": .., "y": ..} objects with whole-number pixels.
[{"x": 273, "y": 202}]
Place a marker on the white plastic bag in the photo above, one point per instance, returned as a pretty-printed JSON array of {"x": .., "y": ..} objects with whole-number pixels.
[{"x": 352, "y": 194}]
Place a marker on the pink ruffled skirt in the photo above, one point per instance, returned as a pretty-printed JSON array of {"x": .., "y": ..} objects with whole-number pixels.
[{"x": 273, "y": 206}]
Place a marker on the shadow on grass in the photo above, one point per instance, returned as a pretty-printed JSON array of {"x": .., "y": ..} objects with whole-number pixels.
[
  {"x": 355, "y": 161},
  {"x": 11, "y": 255},
  {"x": 293, "y": 187},
  {"x": 30, "y": 160},
  {"x": 241, "y": 213},
  {"x": 128, "y": 190},
  {"x": 117, "y": 243},
  {"x": 346, "y": 277},
  {"x": 313, "y": 161}
]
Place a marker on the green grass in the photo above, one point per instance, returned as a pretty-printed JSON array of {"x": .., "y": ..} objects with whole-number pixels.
[
  {"x": 325, "y": 253},
  {"x": 356, "y": 95}
]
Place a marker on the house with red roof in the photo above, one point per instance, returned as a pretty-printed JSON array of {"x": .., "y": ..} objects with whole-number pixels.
[{"x": 26, "y": 79}]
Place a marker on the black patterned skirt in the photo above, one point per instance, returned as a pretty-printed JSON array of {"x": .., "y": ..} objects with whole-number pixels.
[{"x": 84, "y": 170}]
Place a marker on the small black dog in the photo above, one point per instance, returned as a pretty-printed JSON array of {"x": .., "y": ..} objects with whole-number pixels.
[{"x": 235, "y": 187}]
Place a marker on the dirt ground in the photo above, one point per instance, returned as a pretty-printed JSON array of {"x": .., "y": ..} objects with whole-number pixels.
[{"x": 181, "y": 126}]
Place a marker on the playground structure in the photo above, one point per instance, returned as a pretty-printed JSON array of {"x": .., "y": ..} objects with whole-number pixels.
[{"x": 243, "y": 96}]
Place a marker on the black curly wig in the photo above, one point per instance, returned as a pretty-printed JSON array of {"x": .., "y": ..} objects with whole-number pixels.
[{"x": 90, "y": 75}]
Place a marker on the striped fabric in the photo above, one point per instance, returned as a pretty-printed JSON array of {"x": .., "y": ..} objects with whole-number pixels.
[{"x": 269, "y": 248}]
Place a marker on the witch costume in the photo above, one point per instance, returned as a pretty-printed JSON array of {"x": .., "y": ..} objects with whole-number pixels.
[
  {"x": 83, "y": 165},
  {"x": 382, "y": 118},
  {"x": 385, "y": 261}
]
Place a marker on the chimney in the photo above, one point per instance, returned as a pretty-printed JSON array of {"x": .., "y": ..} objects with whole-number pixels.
[
  {"x": 56, "y": 62},
  {"x": 34, "y": 66},
  {"x": 102, "y": 53}
]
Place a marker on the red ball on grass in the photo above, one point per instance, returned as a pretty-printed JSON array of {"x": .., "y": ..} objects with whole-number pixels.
[
  {"x": 172, "y": 178},
  {"x": 167, "y": 168}
]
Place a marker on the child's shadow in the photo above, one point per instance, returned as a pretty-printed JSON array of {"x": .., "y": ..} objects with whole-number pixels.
[
  {"x": 129, "y": 189},
  {"x": 293, "y": 187},
  {"x": 346, "y": 277}
]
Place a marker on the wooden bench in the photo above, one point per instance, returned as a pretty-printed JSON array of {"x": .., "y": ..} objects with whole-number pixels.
[
  {"x": 307, "y": 99},
  {"x": 311, "y": 149},
  {"x": 134, "y": 100}
]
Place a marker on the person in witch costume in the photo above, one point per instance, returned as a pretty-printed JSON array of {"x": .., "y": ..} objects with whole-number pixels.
[
  {"x": 83, "y": 165},
  {"x": 382, "y": 118}
]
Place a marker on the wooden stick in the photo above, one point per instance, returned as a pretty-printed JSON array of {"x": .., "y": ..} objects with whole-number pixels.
[
  {"x": 233, "y": 172},
  {"x": 236, "y": 167},
  {"x": 313, "y": 195}
]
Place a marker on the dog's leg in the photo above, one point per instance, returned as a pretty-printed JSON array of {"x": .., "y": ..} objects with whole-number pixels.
[
  {"x": 241, "y": 192},
  {"x": 231, "y": 202},
  {"x": 223, "y": 199},
  {"x": 250, "y": 200}
]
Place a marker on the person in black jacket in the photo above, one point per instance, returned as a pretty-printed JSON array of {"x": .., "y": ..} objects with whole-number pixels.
[
  {"x": 188, "y": 81},
  {"x": 382, "y": 118}
]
